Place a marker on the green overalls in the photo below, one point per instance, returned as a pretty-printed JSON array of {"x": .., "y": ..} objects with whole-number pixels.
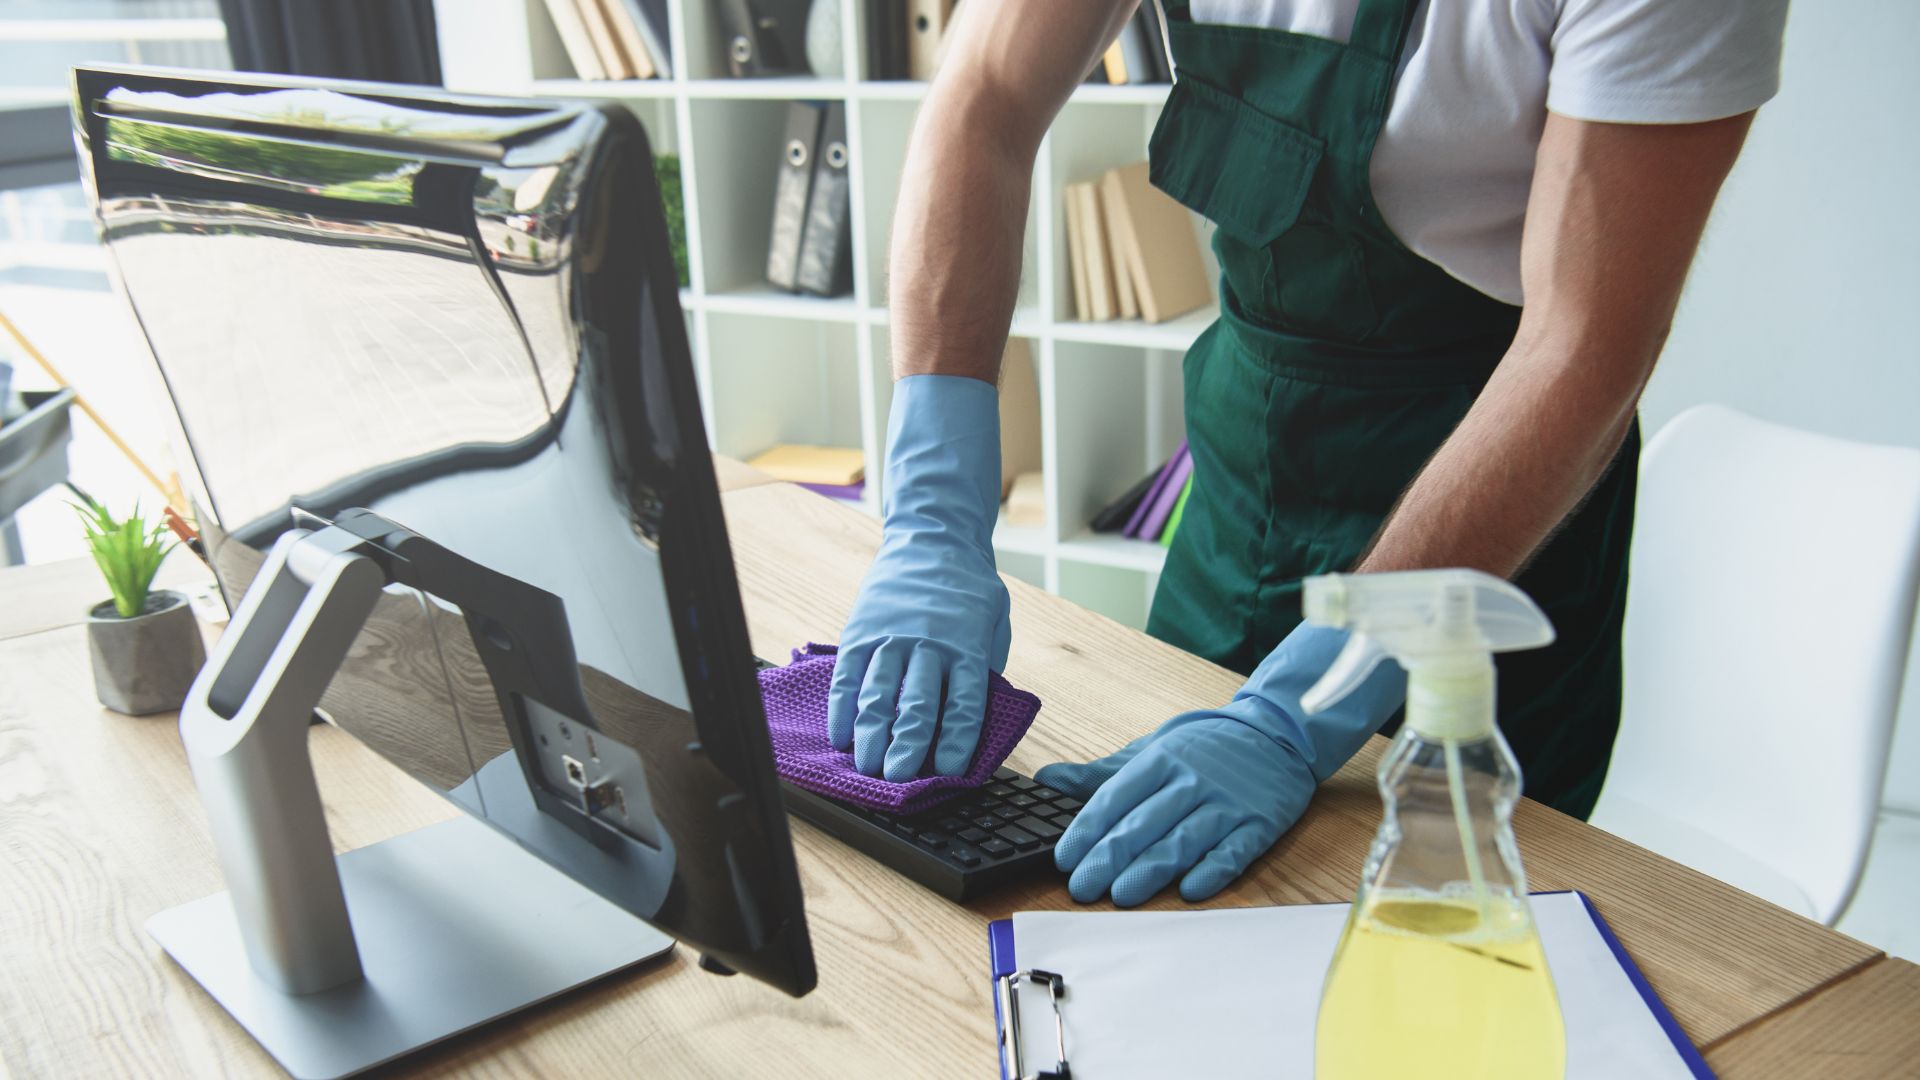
[{"x": 1339, "y": 364}]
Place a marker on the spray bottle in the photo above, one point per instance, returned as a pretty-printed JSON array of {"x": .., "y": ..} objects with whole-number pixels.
[{"x": 1439, "y": 972}]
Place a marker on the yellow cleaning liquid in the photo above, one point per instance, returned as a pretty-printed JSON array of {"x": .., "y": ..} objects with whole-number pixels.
[{"x": 1442, "y": 989}]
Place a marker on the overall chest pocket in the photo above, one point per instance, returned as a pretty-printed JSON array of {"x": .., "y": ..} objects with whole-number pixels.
[{"x": 1259, "y": 179}]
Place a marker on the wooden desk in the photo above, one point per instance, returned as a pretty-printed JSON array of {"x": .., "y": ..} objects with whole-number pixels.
[{"x": 100, "y": 827}]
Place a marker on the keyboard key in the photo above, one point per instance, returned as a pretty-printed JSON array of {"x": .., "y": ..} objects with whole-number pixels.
[
  {"x": 1068, "y": 803},
  {"x": 989, "y": 802},
  {"x": 1046, "y": 794},
  {"x": 964, "y": 855},
  {"x": 1019, "y": 837},
  {"x": 952, "y": 824},
  {"x": 1004, "y": 773},
  {"x": 987, "y": 821},
  {"x": 972, "y": 836},
  {"x": 1008, "y": 813},
  {"x": 997, "y": 848},
  {"x": 904, "y": 829},
  {"x": 1045, "y": 830},
  {"x": 1023, "y": 783},
  {"x": 998, "y": 788},
  {"x": 1022, "y": 801},
  {"x": 933, "y": 839}
]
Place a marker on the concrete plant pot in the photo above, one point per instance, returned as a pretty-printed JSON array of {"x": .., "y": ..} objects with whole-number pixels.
[{"x": 145, "y": 664}]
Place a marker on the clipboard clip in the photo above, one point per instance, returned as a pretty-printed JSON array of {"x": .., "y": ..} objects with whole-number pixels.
[{"x": 1010, "y": 1062}]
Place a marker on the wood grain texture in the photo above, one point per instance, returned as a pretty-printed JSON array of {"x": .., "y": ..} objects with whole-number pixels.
[
  {"x": 100, "y": 828},
  {"x": 1864, "y": 1026},
  {"x": 56, "y": 594}
]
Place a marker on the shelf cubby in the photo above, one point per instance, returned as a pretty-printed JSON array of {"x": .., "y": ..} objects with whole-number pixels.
[{"x": 776, "y": 367}]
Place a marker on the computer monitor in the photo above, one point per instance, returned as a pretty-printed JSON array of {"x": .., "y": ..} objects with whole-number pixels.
[{"x": 447, "y": 329}]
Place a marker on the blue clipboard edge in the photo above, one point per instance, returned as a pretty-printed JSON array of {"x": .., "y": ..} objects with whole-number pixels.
[
  {"x": 1678, "y": 1036},
  {"x": 1000, "y": 953}
]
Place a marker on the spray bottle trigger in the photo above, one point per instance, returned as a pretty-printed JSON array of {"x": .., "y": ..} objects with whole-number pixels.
[{"x": 1356, "y": 661}]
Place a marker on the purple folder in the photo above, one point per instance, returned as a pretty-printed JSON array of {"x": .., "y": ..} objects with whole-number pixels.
[
  {"x": 1160, "y": 507},
  {"x": 850, "y": 492},
  {"x": 1153, "y": 493}
]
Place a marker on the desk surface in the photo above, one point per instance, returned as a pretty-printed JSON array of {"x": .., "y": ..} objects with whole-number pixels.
[{"x": 100, "y": 827}]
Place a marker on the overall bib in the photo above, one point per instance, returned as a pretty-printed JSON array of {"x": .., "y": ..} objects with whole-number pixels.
[{"x": 1339, "y": 364}]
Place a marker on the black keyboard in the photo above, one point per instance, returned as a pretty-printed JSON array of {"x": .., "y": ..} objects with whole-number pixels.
[{"x": 961, "y": 848}]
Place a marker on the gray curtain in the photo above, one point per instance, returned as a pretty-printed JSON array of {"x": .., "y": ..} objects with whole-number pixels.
[{"x": 381, "y": 40}]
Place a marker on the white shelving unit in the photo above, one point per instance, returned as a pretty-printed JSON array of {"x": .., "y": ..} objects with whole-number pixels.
[{"x": 781, "y": 368}]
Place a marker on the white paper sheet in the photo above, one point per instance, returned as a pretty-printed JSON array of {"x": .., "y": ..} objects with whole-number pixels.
[{"x": 1234, "y": 993}]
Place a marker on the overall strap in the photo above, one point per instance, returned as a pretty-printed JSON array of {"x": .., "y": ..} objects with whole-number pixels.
[{"x": 1380, "y": 28}]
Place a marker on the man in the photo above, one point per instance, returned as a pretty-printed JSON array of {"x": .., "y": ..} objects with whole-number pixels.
[{"x": 1390, "y": 179}]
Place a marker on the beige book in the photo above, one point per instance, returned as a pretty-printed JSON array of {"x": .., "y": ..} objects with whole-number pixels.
[
  {"x": 601, "y": 32},
  {"x": 1115, "y": 61},
  {"x": 1082, "y": 304},
  {"x": 834, "y": 465},
  {"x": 573, "y": 35},
  {"x": 1027, "y": 500},
  {"x": 633, "y": 44},
  {"x": 1019, "y": 413},
  {"x": 1115, "y": 221},
  {"x": 1163, "y": 257},
  {"x": 1093, "y": 233}
]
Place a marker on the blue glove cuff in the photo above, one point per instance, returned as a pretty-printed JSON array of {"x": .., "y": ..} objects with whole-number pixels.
[
  {"x": 943, "y": 458},
  {"x": 1270, "y": 700}
]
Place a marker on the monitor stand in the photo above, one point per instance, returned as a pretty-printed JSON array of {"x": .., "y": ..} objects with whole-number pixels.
[{"x": 338, "y": 965}]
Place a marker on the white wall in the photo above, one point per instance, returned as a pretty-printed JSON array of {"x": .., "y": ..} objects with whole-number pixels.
[{"x": 1804, "y": 305}]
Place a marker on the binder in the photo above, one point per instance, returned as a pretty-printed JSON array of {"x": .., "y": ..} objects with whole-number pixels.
[
  {"x": 764, "y": 37},
  {"x": 791, "y": 192},
  {"x": 927, "y": 22},
  {"x": 1234, "y": 992},
  {"x": 1156, "y": 42},
  {"x": 886, "y": 39},
  {"x": 826, "y": 249}
]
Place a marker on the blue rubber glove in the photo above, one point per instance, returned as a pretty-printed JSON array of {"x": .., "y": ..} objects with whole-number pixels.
[
  {"x": 1211, "y": 790},
  {"x": 931, "y": 617}
]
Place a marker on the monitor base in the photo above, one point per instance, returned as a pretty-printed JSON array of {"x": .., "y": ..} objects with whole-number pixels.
[{"x": 456, "y": 926}]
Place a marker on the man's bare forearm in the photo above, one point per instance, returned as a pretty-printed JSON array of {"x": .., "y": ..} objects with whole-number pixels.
[
  {"x": 954, "y": 265},
  {"x": 1613, "y": 220},
  {"x": 954, "y": 270},
  {"x": 1538, "y": 439}
]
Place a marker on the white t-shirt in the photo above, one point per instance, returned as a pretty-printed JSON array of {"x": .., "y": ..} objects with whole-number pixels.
[{"x": 1454, "y": 162}]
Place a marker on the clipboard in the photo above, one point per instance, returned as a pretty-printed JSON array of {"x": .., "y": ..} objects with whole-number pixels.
[{"x": 1036, "y": 1025}]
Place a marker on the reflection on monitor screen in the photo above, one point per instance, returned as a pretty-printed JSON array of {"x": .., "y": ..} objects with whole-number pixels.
[{"x": 460, "y": 316}]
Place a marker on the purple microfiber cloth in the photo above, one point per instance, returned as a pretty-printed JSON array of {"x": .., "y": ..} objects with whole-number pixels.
[{"x": 796, "y": 702}]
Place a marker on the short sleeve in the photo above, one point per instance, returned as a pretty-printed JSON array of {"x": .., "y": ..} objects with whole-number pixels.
[{"x": 1665, "y": 61}]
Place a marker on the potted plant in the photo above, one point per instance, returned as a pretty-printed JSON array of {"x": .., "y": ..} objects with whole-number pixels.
[{"x": 146, "y": 645}]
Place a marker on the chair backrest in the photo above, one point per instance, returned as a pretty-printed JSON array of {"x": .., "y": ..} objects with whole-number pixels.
[{"x": 1772, "y": 595}]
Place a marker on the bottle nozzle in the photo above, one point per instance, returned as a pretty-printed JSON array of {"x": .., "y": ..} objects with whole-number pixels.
[{"x": 1441, "y": 625}]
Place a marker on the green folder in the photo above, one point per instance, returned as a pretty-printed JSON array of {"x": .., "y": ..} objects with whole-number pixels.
[{"x": 1179, "y": 508}]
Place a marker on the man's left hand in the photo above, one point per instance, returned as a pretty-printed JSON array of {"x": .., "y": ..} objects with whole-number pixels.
[{"x": 1210, "y": 791}]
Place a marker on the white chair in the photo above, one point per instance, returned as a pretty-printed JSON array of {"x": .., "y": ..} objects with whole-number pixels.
[{"x": 1772, "y": 595}]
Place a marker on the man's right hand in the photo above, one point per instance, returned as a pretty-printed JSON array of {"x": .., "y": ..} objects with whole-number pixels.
[{"x": 931, "y": 617}]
